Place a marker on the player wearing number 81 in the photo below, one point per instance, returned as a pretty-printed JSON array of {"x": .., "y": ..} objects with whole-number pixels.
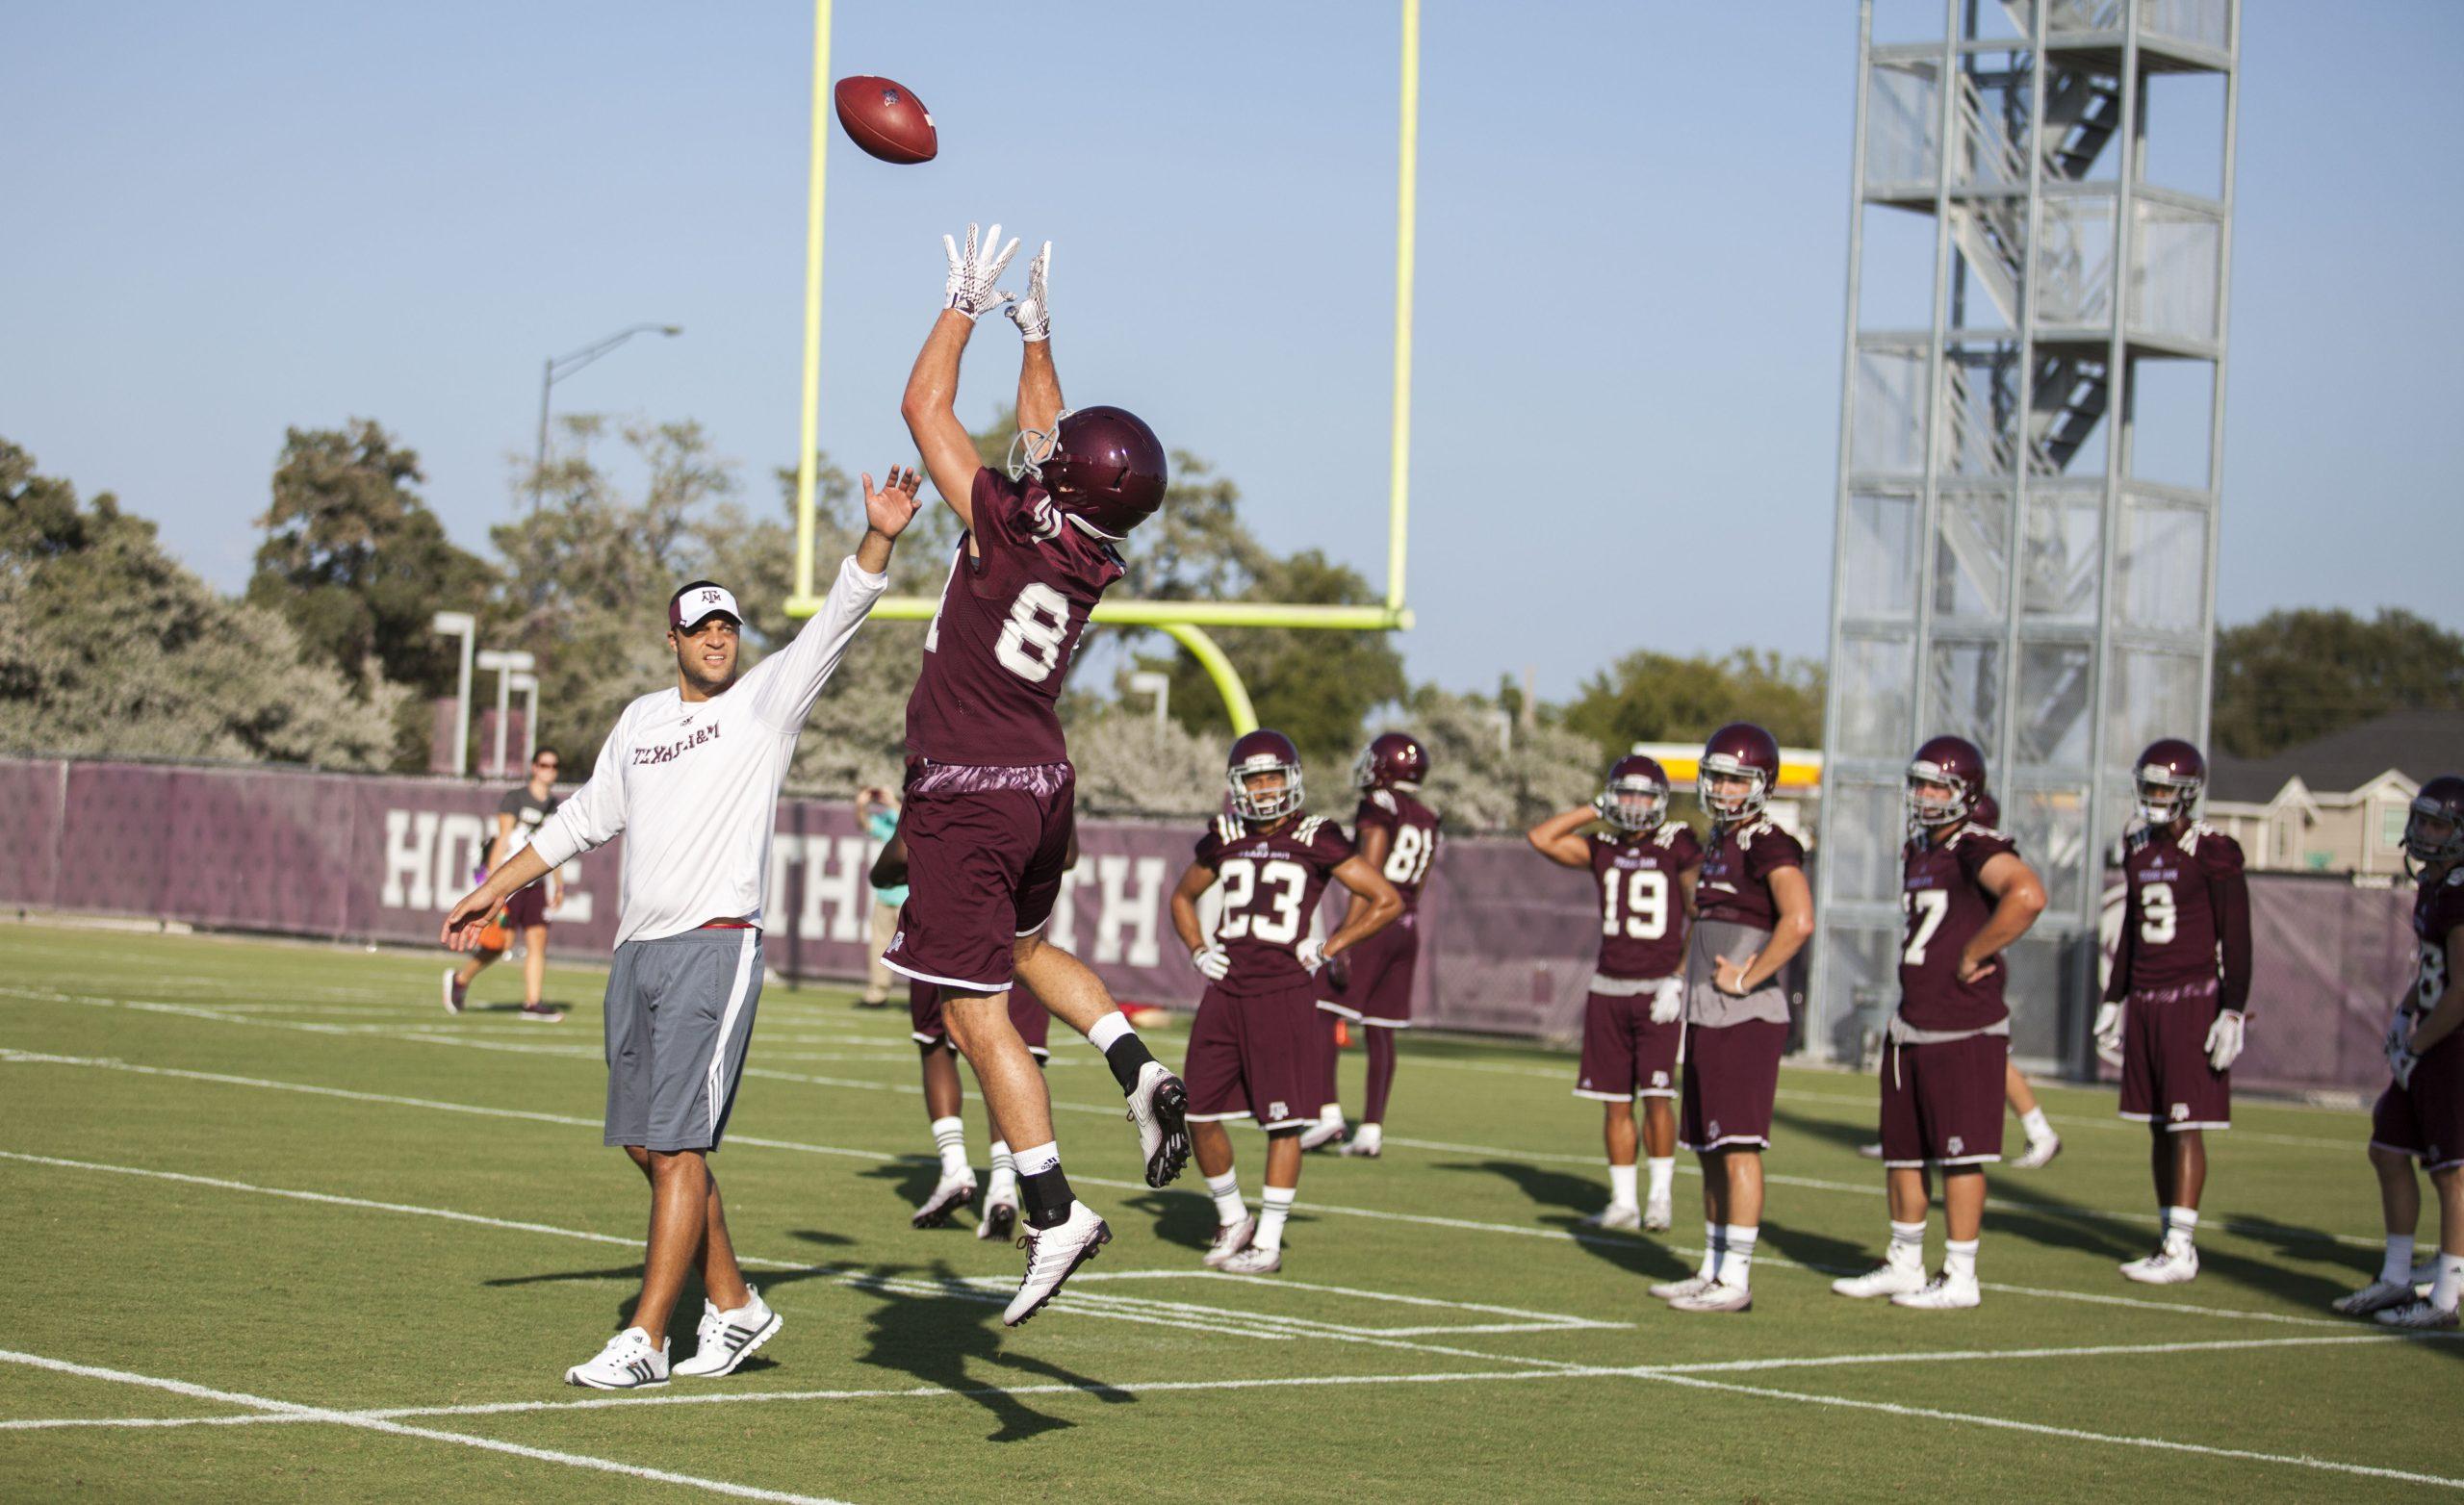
[
  {"x": 1258, "y": 1047},
  {"x": 989, "y": 789}
]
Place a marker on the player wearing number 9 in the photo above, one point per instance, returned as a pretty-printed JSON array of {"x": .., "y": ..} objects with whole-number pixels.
[
  {"x": 988, "y": 805},
  {"x": 1257, "y": 1048},
  {"x": 2177, "y": 998}
]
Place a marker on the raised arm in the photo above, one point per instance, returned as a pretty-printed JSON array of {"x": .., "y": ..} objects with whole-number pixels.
[
  {"x": 1555, "y": 838},
  {"x": 931, "y": 403},
  {"x": 1039, "y": 384},
  {"x": 784, "y": 685}
]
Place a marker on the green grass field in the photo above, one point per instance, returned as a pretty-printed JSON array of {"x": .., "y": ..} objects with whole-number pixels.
[{"x": 279, "y": 1228}]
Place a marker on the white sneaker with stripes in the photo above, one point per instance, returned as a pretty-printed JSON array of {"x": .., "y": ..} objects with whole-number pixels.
[
  {"x": 727, "y": 1339},
  {"x": 949, "y": 1194},
  {"x": 1053, "y": 1255},
  {"x": 628, "y": 1363}
]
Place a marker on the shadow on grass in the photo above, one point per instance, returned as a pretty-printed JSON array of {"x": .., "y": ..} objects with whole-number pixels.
[
  {"x": 936, "y": 1336},
  {"x": 1184, "y": 1220},
  {"x": 1565, "y": 1199},
  {"x": 682, "y": 1323}
]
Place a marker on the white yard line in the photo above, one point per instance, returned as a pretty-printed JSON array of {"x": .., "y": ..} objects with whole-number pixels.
[{"x": 394, "y": 1428}]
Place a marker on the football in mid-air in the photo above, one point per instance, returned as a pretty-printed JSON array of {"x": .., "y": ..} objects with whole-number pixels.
[{"x": 885, "y": 117}]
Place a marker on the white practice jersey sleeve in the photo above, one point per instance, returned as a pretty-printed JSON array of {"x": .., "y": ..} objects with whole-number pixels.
[{"x": 694, "y": 784}]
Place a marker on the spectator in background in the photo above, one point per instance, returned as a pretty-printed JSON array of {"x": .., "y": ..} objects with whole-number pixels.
[
  {"x": 876, "y": 812},
  {"x": 518, "y": 817}
]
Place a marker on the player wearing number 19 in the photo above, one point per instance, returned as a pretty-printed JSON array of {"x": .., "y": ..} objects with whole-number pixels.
[
  {"x": 1968, "y": 897},
  {"x": 1258, "y": 1047},
  {"x": 989, "y": 789},
  {"x": 1633, "y": 1027}
]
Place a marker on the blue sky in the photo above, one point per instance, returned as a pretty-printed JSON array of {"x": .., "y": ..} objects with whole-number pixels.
[{"x": 230, "y": 219}]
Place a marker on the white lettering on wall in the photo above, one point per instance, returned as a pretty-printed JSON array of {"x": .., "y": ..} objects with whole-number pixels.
[
  {"x": 1125, "y": 909},
  {"x": 1062, "y": 928},
  {"x": 410, "y": 841},
  {"x": 461, "y": 847},
  {"x": 842, "y": 885}
]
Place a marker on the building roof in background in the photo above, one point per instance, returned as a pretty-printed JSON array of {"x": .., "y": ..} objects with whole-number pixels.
[{"x": 2421, "y": 745}]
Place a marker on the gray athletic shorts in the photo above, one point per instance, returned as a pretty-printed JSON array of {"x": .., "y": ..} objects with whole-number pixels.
[{"x": 678, "y": 1017}]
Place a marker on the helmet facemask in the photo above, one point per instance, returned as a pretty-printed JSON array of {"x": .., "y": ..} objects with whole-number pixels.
[
  {"x": 2421, "y": 849},
  {"x": 1729, "y": 809},
  {"x": 2164, "y": 797},
  {"x": 1031, "y": 448},
  {"x": 1936, "y": 798},
  {"x": 1265, "y": 806},
  {"x": 1634, "y": 805}
]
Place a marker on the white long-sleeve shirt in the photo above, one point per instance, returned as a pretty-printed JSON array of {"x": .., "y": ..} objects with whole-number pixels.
[{"x": 694, "y": 784}]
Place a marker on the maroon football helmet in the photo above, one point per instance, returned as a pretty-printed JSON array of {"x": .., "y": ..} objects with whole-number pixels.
[
  {"x": 2441, "y": 800},
  {"x": 1636, "y": 798},
  {"x": 2170, "y": 778},
  {"x": 1954, "y": 764},
  {"x": 1986, "y": 812},
  {"x": 1105, "y": 469},
  {"x": 1392, "y": 760},
  {"x": 1264, "y": 752},
  {"x": 1739, "y": 749}
]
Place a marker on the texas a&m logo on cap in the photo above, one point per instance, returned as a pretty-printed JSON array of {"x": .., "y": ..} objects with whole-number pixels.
[{"x": 698, "y": 603}]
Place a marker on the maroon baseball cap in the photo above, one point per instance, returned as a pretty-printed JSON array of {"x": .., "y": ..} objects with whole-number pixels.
[{"x": 698, "y": 603}]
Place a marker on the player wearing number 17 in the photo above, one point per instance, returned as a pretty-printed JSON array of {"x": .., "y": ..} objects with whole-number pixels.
[
  {"x": 989, "y": 789},
  {"x": 2174, "y": 1003}
]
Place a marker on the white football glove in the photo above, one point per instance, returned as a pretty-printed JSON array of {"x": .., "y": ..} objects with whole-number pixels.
[
  {"x": 1668, "y": 1001},
  {"x": 2224, "y": 1039},
  {"x": 2401, "y": 1060},
  {"x": 1213, "y": 960},
  {"x": 1312, "y": 955},
  {"x": 1033, "y": 314},
  {"x": 2108, "y": 1033},
  {"x": 975, "y": 275}
]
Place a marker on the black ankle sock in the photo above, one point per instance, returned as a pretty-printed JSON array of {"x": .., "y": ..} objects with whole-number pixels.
[
  {"x": 1046, "y": 1197},
  {"x": 1125, "y": 1057}
]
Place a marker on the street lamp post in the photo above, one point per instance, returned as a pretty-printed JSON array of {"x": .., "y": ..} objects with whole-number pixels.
[
  {"x": 1157, "y": 683},
  {"x": 464, "y": 625},
  {"x": 561, "y": 366},
  {"x": 504, "y": 665}
]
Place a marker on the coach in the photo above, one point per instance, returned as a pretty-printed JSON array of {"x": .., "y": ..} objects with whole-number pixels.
[{"x": 691, "y": 778}]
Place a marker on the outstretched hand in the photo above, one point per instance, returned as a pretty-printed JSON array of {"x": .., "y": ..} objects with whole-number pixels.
[
  {"x": 888, "y": 510},
  {"x": 974, "y": 287},
  {"x": 1033, "y": 314}
]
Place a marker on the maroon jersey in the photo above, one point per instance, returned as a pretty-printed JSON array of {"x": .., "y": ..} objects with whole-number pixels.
[
  {"x": 1411, "y": 829},
  {"x": 1272, "y": 881},
  {"x": 2437, "y": 909},
  {"x": 999, "y": 647},
  {"x": 2187, "y": 921},
  {"x": 1642, "y": 911},
  {"x": 1946, "y": 903},
  {"x": 1735, "y": 885}
]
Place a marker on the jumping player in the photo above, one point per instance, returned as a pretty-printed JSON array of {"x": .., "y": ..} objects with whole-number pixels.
[
  {"x": 989, "y": 799},
  {"x": 1967, "y": 895},
  {"x": 1755, "y": 912},
  {"x": 1397, "y": 835},
  {"x": 1258, "y": 1047},
  {"x": 2421, "y": 1116},
  {"x": 1634, "y": 1029},
  {"x": 2174, "y": 1005},
  {"x": 690, "y": 777}
]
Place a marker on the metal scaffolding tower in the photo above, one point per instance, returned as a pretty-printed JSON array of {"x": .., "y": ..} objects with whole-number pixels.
[{"x": 2031, "y": 417}]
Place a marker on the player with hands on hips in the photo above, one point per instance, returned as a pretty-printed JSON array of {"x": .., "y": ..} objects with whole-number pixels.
[
  {"x": 1258, "y": 1045},
  {"x": 1643, "y": 873},
  {"x": 2420, "y": 1114}
]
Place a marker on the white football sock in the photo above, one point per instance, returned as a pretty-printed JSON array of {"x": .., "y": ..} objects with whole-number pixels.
[
  {"x": 1906, "y": 1244},
  {"x": 2034, "y": 1122},
  {"x": 2447, "y": 1287},
  {"x": 2181, "y": 1228},
  {"x": 1959, "y": 1259},
  {"x": 1737, "y": 1262},
  {"x": 1715, "y": 1241},
  {"x": 1278, "y": 1206},
  {"x": 1225, "y": 1190},
  {"x": 1663, "y": 1175},
  {"x": 2397, "y": 1267},
  {"x": 1005, "y": 1172},
  {"x": 1621, "y": 1186},
  {"x": 949, "y": 1136},
  {"x": 1107, "y": 1030},
  {"x": 1037, "y": 1158}
]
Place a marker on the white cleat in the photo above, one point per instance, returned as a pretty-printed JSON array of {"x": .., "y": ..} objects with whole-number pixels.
[
  {"x": 2377, "y": 1296},
  {"x": 953, "y": 1192},
  {"x": 1367, "y": 1142},
  {"x": 1870, "y": 1152},
  {"x": 1053, "y": 1255},
  {"x": 1894, "y": 1278},
  {"x": 1254, "y": 1261},
  {"x": 454, "y": 993},
  {"x": 1319, "y": 1135},
  {"x": 1673, "y": 1290},
  {"x": 1717, "y": 1296},
  {"x": 2038, "y": 1154},
  {"x": 727, "y": 1339},
  {"x": 1230, "y": 1240},
  {"x": 1000, "y": 1215},
  {"x": 2166, "y": 1267},
  {"x": 627, "y": 1363},
  {"x": 1616, "y": 1215},
  {"x": 1658, "y": 1216},
  {"x": 1159, "y": 1105},
  {"x": 2418, "y": 1316},
  {"x": 1944, "y": 1292}
]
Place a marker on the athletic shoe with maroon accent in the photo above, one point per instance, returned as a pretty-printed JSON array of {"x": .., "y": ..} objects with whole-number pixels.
[
  {"x": 1159, "y": 1105},
  {"x": 1944, "y": 1292},
  {"x": 2170, "y": 1266},
  {"x": 1229, "y": 1240},
  {"x": 1716, "y": 1297},
  {"x": 1254, "y": 1261},
  {"x": 1054, "y": 1254},
  {"x": 948, "y": 1196},
  {"x": 543, "y": 1013},
  {"x": 454, "y": 993},
  {"x": 2419, "y": 1316}
]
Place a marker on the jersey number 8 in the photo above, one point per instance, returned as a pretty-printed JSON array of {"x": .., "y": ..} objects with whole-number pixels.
[
  {"x": 1031, "y": 639},
  {"x": 1409, "y": 863}
]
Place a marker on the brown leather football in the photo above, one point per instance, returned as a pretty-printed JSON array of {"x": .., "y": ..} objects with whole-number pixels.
[{"x": 886, "y": 119}]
